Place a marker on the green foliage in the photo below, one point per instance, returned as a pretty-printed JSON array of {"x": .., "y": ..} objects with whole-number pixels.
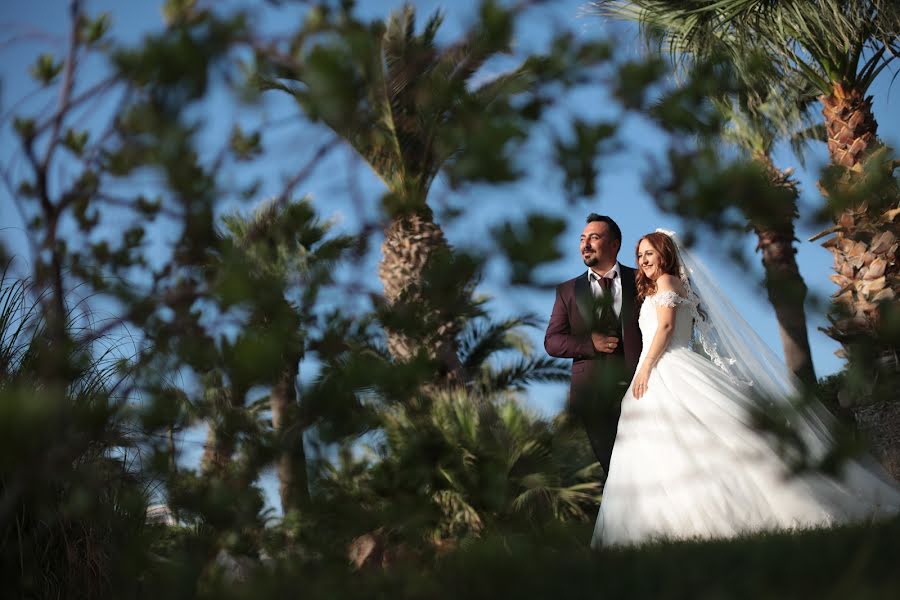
[
  {"x": 762, "y": 566},
  {"x": 404, "y": 104},
  {"x": 179, "y": 60},
  {"x": 457, "y": 486},
  {"x": 578, "y": 157},
  {"x": 94, "y": 30},
  {"x": 481, "y": 462},
  {"x": 72, "y": 501},
  {"x": 76, "y": 141},
  {"x": 634, "y": 81},
  {"x": 245, "y": 146},
  {"x": 825, "y": 43},
  {"x": 856, "y": 560},
  {"x": 46, "y": 69},
  {"x": 731, "y": 90},
  {"x": 25, "y": 128},
  {"x": 530, "y": 244}
]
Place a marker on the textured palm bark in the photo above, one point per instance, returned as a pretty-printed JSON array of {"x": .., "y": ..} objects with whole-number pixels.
[
  {"x": 413, "y": 245},
  {"x": 219, "y": 446},
  {"x": 865, "y": 260},
  {"x": 293, "y": 484},
  {"x": 784, "y": 285},
  {"x": 787, "y": 293},
  {"x": 850, "y": 125},
  {"x": 217, "y": 451},
  {"x": 864, "y": 245},
  {"x": 865, "y": 249}
]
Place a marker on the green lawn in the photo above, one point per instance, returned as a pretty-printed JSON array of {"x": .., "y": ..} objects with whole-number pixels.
[{"x": 855, "y": 562}]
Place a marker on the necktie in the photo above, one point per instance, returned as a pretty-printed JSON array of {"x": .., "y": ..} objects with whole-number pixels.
[
  {"x": 606, "y": 282},
  {"x": 604, "y": 304}
]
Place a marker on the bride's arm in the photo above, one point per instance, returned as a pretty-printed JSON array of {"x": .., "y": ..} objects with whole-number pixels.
[{"x": 665, "y": 317}]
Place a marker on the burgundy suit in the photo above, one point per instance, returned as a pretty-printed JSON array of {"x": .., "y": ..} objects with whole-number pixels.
[{"x": 599, "y": 380}]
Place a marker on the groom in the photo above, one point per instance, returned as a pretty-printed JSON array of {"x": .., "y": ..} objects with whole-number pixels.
[{"x": 594, "y": 322}]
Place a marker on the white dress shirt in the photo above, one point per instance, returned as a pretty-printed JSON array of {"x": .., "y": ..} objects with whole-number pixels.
[{"x": 616, "y": 288}]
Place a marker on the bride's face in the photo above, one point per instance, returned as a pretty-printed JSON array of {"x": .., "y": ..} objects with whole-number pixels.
[{"x": 648, "y": 260}]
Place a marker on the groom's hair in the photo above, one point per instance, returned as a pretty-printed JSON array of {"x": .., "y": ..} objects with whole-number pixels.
[{"x": 613, "y": 227}]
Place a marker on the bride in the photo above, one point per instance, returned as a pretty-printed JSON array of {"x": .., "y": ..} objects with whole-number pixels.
[{"x": 689, "y": 460}]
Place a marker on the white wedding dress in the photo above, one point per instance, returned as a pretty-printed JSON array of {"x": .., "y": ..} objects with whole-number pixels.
[{"x": 689, "y": 463}]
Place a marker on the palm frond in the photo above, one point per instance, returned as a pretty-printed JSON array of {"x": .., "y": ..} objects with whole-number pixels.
[
  {"x": 285, "y": 240},
  {"x": 524, "y": 371},
  {"x": 801, "y": 139},
  {"x": 391, "y": 92},
  {"x": 407, "y": 60},
  {"x": 821, "y": 41},
  {"x": 459, "y": 517},
  {"x": 505, "y": 85},
  {"x": 483, "y": 338}
]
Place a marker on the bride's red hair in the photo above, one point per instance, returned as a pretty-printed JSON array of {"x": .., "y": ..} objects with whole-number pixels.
[{"x": 668, "y": 262}]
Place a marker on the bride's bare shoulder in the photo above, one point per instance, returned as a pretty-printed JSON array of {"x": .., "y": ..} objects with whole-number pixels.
[{"x": 669, "y": 283}]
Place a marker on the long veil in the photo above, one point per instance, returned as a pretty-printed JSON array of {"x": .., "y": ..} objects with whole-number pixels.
[{"x": 735, "y": 347}]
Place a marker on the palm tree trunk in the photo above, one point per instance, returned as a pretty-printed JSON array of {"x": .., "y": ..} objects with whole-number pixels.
[
  {"x": 787, "y": 294},
  {"x": 219, "y": 447},
  {"x": 217, "y": 451},
  {"x": 173, "y": 450},
  {"x": 293, "y": 486},
  {"x": 415, "y": 267},
  {"x": 866, "y": 262},
  {"x": 785, "y": 286},
  {"x": 851, "y": 126},
  {"x": 864, "y": 248}
]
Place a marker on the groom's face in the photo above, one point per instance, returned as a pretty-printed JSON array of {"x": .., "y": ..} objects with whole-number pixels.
[{"x": 598, "y": 246}]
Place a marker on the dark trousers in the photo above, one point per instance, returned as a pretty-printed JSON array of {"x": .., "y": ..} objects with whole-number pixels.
[
  {"x": 601, "y": 432},
  {"x": 599, "y": 405}
]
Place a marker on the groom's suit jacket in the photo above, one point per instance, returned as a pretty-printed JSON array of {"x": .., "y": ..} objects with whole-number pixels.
[{"x": 569, "y": 335}]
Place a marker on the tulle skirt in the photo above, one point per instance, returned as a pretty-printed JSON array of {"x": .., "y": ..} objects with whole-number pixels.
[{"x": 690, "y": 462}]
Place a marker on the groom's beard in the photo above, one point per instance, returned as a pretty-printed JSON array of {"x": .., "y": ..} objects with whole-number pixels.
[{"x": 591, "y": 261}]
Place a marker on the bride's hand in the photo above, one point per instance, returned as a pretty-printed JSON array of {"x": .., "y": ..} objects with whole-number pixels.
[{"x": 639, "y": 388}]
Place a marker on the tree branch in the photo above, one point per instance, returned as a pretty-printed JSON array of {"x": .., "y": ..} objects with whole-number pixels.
[{"x": 65, "y": 93}]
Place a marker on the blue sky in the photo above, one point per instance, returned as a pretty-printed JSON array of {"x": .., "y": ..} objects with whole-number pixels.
[{"x": 27, "y": 28}]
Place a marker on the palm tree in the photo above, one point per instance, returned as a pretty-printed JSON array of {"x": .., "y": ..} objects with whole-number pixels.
[
  {"x": 462, "y": 463},
  {"x": 756, "y": 117},
  {"x": 491, "y": 461},
  {"x": 282, "y": 247},
  {"x": 839, "y": 47},
  {"x": 453, "y": 460},
  {"x": 404, "y": 105},
  {"x": 219, "y": 446},
  {"x": 773, "y": 223}
]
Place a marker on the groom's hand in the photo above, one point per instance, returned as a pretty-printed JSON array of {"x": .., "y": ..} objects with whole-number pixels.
[{"x": 604, "y": 343}]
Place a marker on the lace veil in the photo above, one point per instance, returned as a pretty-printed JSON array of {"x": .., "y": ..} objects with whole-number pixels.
[
  {"x": 724, "y": 336},
  {"x": 735, "y": 347}
]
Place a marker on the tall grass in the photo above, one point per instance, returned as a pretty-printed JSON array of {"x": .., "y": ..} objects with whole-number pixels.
[{"x": 72, "y": 504}]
